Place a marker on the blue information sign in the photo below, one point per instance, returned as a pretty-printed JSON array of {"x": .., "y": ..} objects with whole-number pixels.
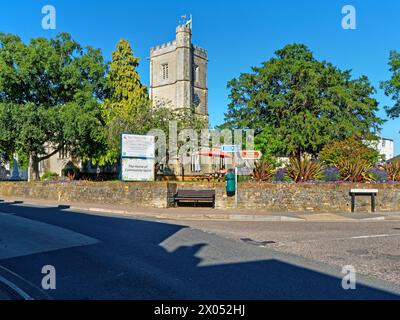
[{"x": 230, "y": 148}]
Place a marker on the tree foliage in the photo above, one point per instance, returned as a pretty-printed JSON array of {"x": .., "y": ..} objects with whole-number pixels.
[
  {"x": 350, "y": 148},
  {"x": 162, "y": 114},
  {"x": 392, "y": 86},
  {"x": 49, "y": 93},
  {"x": 302, "y": 102},
  {"x": 268, "y": 143}
]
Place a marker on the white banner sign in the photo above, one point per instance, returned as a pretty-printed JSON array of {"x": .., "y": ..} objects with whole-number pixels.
[
  {"x": 137, "y": 146},
  {"x": 137, "y": 169}
]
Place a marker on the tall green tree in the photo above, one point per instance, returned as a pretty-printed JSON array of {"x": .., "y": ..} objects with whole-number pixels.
[
  {"x": 392, "y": 86},
  {"x": 49, "y": 98},
  {"x": 127, "y": 104},
  {"x": 302, "y": 102}
]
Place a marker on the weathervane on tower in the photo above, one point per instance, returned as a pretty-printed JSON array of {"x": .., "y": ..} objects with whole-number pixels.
[{"x": 188, "y": 22}]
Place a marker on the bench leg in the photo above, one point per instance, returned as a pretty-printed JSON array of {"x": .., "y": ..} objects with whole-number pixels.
[
  {"x": 353, "y": 202},
  {"x": 373, "y": 203}
]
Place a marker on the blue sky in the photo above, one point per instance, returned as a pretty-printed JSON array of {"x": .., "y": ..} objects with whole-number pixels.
[{"x": 237, "y": 34}]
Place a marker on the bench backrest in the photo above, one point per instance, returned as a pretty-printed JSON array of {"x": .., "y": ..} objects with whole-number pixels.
[{"x": 195, "y": 193}]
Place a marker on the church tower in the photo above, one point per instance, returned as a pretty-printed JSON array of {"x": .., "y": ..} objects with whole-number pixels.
[{"x": 178, "y": 73}]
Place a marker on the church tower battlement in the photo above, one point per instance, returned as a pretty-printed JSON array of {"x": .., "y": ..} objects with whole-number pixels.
[{"x": 178, "y": 73}]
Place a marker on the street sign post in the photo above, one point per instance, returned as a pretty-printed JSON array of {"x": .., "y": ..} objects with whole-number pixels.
[{"x": 236, "y": 191}]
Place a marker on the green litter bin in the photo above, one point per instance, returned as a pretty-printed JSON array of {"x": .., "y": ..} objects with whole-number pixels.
[{"x": 230, "y": 183}]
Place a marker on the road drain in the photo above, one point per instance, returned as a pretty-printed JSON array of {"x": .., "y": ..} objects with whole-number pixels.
[{"x": 257, "y": 243}]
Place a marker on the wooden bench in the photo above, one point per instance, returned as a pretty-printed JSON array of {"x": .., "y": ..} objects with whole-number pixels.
[
  {"x": 195, "y": 196},
  {"x": 363, "y": 192}
]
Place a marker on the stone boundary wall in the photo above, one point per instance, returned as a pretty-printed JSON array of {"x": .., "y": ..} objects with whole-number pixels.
[
  {"x": 290, "y": 197},
  {"x": 266, "y": 197},
  {"x": 141, "y": 195}
]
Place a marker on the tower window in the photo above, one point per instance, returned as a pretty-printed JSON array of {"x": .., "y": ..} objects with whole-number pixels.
[
  {"x": 63, "y": 153},
  {"x": 164, "y": 71},
  {"x": 195, "y": 73}
]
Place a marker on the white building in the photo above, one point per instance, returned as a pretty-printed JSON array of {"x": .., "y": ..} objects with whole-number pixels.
[{"x": 385, "y": 147}]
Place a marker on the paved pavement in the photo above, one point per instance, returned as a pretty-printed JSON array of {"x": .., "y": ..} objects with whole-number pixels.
[
  {"x": 112, "y": 256},
  {"x": 190, "y": 213}
]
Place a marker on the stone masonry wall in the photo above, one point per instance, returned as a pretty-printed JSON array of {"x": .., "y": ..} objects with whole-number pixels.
[
  {"x": 145, "y": 195},
  {"x": 266, "y": 197},
  {"x": 283, "y": 197}
]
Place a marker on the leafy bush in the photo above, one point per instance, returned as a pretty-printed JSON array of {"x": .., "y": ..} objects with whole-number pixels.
[
  {"x": 392, "y": 170},
  {"x": 355, "y": 170},
  {"x": 263, "y": 171},
  {"x": 330, "y": 173},
  {"x": 304, "y": 169},
  {"x": 378, "y": 174},
  {"x": 48, "y": 175},
  {"x": 352, "y": 148},
  {"x": 281, "y": 175},
  {"x": 70, "y": 170},
  {"x": 244, "y": 178}
]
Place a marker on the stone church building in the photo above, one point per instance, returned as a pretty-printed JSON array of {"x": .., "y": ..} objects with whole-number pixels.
[{"x": 178, "y": 73}]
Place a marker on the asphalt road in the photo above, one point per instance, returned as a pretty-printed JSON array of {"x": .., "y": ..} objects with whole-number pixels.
[
  {"x": 100, "y": 256},
  {"x": 372, "y": 248}
]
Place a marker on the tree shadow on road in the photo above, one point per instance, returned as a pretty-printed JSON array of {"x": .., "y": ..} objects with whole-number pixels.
[{"x": 130, "y": 263}]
